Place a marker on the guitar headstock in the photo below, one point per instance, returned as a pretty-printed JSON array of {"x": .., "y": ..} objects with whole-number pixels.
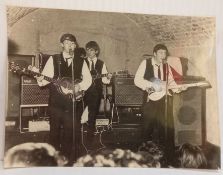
[
  {"x": 13, "y": 67},
  {"x": 205, "y": 84}
]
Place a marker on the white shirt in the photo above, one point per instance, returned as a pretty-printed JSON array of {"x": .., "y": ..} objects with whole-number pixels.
[
  {"x": 143, "y": 83},
  {"x": 105, "y": 80},
  {"x": 66, "y": 57},
  {"x": 49, "y": 71}
]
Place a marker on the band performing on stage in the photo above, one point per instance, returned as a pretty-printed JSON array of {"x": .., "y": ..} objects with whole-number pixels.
[
  {"x": 91, "y": 110},
  {"x": 107, "y": 89}
]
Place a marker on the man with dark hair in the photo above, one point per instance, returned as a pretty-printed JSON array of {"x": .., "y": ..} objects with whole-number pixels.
[
  {"x": 150, "y": 76},
  {"x": 94, "y": 93},
  {"x": 61, "y": 105}
]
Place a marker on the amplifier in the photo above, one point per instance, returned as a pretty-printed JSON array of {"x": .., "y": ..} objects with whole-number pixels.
[
  {"x": 125, "y": 134},
  {"x": 31, "y": 93},
  {"x": 125, "y": 93}
]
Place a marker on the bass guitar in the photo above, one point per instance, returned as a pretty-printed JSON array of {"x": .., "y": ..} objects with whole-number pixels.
[
  {"x": 159, "y": 91},
  {"x": 64, "y": 85}
]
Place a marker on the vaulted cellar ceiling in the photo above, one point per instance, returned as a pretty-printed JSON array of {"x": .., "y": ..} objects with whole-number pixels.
[{"x": 176, "y": 31}]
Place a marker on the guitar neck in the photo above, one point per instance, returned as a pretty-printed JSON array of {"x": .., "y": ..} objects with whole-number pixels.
[
  {"x": 99, "y": 76},
  {"x": 203, "y": 83},
  {"x": 32, "y": 73}
]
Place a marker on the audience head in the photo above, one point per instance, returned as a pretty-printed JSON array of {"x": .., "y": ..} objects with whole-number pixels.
[
  {"x": 117, "y": 158},
  {"x": 153, "y": 149},
  {"x": 191, "y": 156},
  {"x": 33, "y": 154}
]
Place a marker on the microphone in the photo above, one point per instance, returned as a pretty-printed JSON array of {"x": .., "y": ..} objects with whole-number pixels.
[{"x": 71, "y": 52}]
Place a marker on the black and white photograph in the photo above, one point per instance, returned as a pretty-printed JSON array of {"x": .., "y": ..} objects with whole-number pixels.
[{"x": 111, "y": 89}]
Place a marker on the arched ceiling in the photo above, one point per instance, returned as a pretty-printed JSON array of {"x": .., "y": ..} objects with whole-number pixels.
[
  {"x": 176, "y": 31},
  {"x": 16, "y": 13}
]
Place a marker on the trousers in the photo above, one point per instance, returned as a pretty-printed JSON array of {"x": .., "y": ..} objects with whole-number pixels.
[{"x": 63, "y": 136}]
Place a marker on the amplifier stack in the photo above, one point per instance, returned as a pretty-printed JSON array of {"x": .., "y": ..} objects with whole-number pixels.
[{"x": 125, "y": 93}]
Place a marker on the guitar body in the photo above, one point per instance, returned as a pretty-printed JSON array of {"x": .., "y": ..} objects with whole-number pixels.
[
  {"x": 65, "y": 87},
  {"x": 95, "y": 75},
  {"x": 94, "y": 72},
  {"x": 158, "y": 91}
]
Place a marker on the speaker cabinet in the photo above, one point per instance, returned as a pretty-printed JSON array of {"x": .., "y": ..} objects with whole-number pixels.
[
  {"x": 31, "y": 93},
  {"x": 189, "y": 116},
  {"x": 31, "y": 96},
  {"x": 125, "y": 93},
  {"x": 124, "y": 134}
]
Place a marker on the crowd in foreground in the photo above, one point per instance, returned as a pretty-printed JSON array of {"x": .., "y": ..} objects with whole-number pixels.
[{"x": 148, "y": 155}]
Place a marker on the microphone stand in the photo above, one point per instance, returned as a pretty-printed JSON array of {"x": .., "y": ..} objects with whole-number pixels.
[
  {"x": 166, "y": 99},
  {"x": 74, "y": 108}
]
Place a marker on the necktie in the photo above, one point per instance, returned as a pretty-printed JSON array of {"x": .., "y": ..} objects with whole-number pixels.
[
  {"x": 159, "y": 73},
  {"x": 67, "y": 61},
  {"x": 92, "y": 65}
]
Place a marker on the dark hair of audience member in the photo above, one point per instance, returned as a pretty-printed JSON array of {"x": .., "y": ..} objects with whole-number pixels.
[
  {"x": 191, "y": 156},
  {"x": 154, "y": 150},
  {"x": 33, "y": 154}
]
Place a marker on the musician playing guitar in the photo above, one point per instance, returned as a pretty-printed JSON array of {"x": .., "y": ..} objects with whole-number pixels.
[
  {"x": 155, "y": 68},
  {"x": 60, "y": 105},
  {"x": 94, "y": 93}
]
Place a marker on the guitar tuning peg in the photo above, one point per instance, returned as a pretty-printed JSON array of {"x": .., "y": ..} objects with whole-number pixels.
[{"x": 29, "y": 67}]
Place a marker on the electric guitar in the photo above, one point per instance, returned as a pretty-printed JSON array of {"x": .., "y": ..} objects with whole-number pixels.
[
  {"x": 95, "y": 75},
  {"x": 159, "y": 91},
  {"x": 63, "y": 85}
]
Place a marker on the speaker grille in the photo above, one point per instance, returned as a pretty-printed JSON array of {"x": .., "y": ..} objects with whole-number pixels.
[
  {"x": 188, "y": 137},
  {"x": 126, "y": 93},
  {"x": 32, "y": 94},
  {"x": 187, "y": 115}
]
